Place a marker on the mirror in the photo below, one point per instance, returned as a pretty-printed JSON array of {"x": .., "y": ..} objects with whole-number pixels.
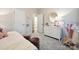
[{"x": 53, "y": 16}]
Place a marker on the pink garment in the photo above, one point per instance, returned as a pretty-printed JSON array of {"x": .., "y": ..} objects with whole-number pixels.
[
  {"x": 69, "y": 31},
  {"x": 68, "y": 28}
]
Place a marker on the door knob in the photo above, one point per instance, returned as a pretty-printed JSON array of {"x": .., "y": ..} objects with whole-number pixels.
[{"x": 27, "y": 25}]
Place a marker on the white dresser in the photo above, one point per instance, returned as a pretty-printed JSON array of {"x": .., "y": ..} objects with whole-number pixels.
[{"x": 52, "y": 31}]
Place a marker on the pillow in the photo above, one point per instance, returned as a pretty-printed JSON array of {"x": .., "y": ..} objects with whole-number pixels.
[
  {"x": 1, "y": 35},
  {"x": 5, "y": 28},
  {"x": 5, "y": 34}
]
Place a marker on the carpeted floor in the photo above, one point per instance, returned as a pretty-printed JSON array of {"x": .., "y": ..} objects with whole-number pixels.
[{"x": 47, "y": 43}]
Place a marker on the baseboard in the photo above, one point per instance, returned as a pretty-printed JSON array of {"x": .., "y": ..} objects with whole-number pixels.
[{"x": 52, "y": 37}]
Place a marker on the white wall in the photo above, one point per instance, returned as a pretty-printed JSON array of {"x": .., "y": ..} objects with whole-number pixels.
[
  {"x": 23, "y": 17},
  {"x": 62, "y": 13},
  {"x": 71, "y": 18},
  {"x": 7, "y": 20},
  {"x": 17, "y": 19}
]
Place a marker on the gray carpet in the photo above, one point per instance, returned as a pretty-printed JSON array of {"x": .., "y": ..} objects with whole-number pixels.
[{"x": 47, "y": 43}]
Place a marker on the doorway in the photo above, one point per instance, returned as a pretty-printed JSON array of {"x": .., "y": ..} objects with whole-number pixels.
[
  {"x": 35, "y": 24},
  {"x": 38, "y": 24}
]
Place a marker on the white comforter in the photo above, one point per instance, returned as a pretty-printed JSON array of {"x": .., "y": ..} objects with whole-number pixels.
[{"x": 15, "y": 41}]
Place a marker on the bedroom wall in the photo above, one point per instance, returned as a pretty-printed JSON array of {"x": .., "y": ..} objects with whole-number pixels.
[
  {"x": 7, "y": 19},
  {"x": 19, "y": 19},
  {"x": 72, "y": 17},
  {"x": 62, "y": 13},
  {"x": 69, "y": 16},
  {"x": 23, "y": 20}
]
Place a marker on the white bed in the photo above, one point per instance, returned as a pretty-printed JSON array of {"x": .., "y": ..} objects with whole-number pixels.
[{"x": 15, "y": 41}]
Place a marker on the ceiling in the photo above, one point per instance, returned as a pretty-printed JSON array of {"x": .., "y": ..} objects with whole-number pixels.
[
  {"x": 59, "y": 11},
  {"x": 4, "y": 11}
]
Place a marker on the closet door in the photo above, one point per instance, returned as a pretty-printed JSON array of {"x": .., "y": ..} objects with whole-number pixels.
[
  {"x": 40, "y": 23},
  {"x": 20, "y": 21},
  {"x": 28, "y": 25}
]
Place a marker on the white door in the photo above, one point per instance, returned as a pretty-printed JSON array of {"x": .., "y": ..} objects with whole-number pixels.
[
  {"x": 28, "y": 25},
  {"x": 22, "y": 23},
  {"x": 40, "y": 23}
]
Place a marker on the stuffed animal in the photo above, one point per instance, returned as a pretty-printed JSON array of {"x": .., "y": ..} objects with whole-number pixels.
[{"x": 2, "y": 34}]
